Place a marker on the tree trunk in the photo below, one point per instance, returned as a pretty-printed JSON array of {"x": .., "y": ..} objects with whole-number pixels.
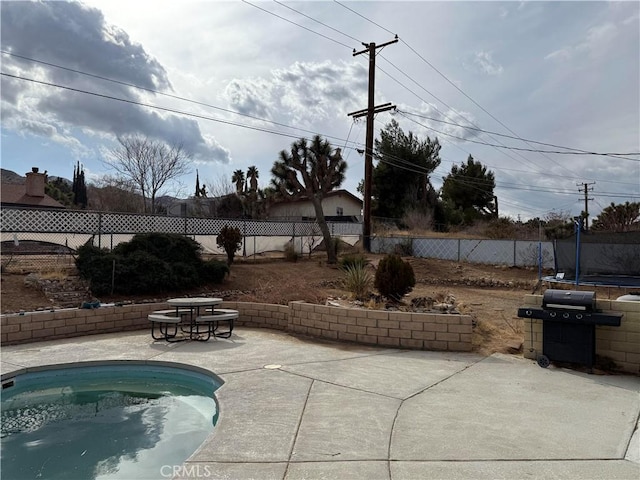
[{"x": 332, "y": 258}]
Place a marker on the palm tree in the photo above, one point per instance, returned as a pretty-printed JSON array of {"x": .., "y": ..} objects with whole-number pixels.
[
  {"x": 238, "y": 179},
  {"x": 252, "y": 175}
]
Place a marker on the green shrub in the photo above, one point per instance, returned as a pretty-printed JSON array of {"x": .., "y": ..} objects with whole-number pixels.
[
  {"x": 149, "y": 263},
  {"x": 95, "y": 265},
  {"x": 213, "y": 271},
  {"x": 86, "y": 256},
  {"x": 142, "y": 272},
  {"x": 230, "y": 240},
  {"x": 290, "y": 254},
  {"x": 170, "y": 247},
  {"x": 394, "y": 277},
  {"x": 184, "y": 275},
  {"x": 353, "y": 260},
  {"x": 357, "y": 280}
]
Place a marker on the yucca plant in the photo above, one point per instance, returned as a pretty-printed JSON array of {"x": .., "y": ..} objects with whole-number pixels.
[
  {"x": 357, "y": 280},
  {"x": 356, "y": 259}
]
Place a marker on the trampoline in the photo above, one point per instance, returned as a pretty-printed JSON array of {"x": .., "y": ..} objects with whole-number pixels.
[{"x": 604, "y": 259}]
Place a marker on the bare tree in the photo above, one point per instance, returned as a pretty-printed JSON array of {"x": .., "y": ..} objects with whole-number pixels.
[
  {"x": 311, "y": 170},
  {"x": 111, "y": 194},
  {"x": 149, "y": 164}
]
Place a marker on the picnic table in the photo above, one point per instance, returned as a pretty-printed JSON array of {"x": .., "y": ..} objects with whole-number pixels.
[{"x": 189, "y": 316}]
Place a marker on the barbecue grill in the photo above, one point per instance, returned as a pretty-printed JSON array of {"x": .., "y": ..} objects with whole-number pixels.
[{"x": 569, "y": 319}]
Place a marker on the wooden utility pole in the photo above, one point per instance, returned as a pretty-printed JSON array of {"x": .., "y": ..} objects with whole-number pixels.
[
  {"x": 586, "y": 202},
  {"x": 370, "y": 111}
]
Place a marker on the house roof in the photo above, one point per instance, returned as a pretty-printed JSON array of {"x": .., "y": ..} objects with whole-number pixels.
[
  {"x": 334, "y": 193},
  {"x": 16, "y": 195}
]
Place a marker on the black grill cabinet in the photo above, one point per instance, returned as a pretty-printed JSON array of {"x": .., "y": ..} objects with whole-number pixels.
[{"x": 569, "y": 319}]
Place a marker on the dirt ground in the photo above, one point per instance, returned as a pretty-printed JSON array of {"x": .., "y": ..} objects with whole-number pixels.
[{"x": 488, "y": 293}]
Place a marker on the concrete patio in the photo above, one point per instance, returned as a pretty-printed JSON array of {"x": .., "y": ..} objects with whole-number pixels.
[{"x": 294, "y": 408}]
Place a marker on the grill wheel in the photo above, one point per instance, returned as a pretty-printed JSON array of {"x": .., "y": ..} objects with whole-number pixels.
[{"x": 543, "y": 361}]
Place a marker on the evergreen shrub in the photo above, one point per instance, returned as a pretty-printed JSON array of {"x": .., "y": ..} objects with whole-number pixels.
[
  {"x": 149, "y": 263},
  {"x": 394, "y": 277},
  {"x": 170, "y": 247},
  {"x": 230, "y": 240},
  {"x": 213, "y": 271},
  {"x": 143, "y": 272}
]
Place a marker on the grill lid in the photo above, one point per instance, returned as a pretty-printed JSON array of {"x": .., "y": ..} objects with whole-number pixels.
[{"x": 569, "y": 300}]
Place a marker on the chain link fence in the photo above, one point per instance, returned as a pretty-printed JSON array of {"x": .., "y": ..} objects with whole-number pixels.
[
  {"x": 518, "y": 253},
  {"x": 47, "y": 239}
]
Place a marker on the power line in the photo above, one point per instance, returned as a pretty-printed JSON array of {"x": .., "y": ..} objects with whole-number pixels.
[
  {"x": 157, "y": 92},
  {"x": 318, "y": 21},
  {"x": 518, "y": 148},
  {"x": 365, "y": 18},
  {"x": 575, "y": 151},
  {"x": 412, "y": 167},
  {"x": 165, "y": 109},
  {"x": 226, "y": 110},
  {"x": 353, "y": 38},
  {"x": 297, "y": 24},
  {"x": 537, "y": 167},
  {"x": 380, "y": 26}
]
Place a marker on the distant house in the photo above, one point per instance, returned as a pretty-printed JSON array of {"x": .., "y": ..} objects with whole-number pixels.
[
  {"x": 338, "y": 206},
  {"x": 29, "y": 194},
  {"x": 226, "y": 206}
]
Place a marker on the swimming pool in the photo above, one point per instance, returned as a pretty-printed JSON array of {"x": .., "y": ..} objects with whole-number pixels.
[{"x": 104, "y": 420}]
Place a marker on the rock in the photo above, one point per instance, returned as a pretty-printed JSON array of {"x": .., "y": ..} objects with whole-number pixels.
[
  {"x": 514, "y": 347},
  {"x": 422, "y": 302}
]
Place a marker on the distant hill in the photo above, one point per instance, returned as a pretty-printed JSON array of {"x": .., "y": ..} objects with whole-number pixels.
[{"x": 8, "y": 176}]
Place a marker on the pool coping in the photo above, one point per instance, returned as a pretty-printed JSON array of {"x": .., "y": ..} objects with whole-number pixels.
[{"x": 273, "y": 421}]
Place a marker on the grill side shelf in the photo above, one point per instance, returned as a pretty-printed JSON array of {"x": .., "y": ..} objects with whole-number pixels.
[{"x": 612, "y": 319}]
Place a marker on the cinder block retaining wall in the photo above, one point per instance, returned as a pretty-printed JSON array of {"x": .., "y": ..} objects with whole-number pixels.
[
  {"x": 621, "y": 344},
  {"x": 374, "y": 327},
  {"x": 379, "y": 327}
]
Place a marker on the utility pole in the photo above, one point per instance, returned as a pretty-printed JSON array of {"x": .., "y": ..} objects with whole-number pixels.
[
  {"x": 370, "y": 111},
  {"x": 586, "y": 202}
]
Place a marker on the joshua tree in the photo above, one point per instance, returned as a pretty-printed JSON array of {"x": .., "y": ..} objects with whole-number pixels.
[{"x": 311, "y": 170}]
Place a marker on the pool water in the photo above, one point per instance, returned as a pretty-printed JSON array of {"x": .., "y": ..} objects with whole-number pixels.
[{"x": 104, "y": 422}]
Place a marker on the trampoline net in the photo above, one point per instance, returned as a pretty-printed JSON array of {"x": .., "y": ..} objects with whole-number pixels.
[{"x": 608, "y": 258}]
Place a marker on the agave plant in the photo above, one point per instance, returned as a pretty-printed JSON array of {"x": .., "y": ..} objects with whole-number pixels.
[{"x": 357, "y": 280}]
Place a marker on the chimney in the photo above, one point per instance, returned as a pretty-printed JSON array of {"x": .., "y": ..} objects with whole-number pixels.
[{"x": 35, "y": 183}]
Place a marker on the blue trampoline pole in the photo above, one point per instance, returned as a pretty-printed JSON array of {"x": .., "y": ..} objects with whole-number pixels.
[{"x": 577, "y": 253}]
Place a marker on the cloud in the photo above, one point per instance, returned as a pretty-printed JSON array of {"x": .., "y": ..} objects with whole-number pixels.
[
  {"x": 77, "y": 37},
  {"x": 482, "y": 61},
  {"x": 485, "y": 61},
  {"x": 308, "y": 92},
  {"x": 247, "y": 97},
  {"x": 595, "y": 43}
]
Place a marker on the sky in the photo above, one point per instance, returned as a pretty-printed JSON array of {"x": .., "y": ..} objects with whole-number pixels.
[{"x": 236, "y": 82}]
